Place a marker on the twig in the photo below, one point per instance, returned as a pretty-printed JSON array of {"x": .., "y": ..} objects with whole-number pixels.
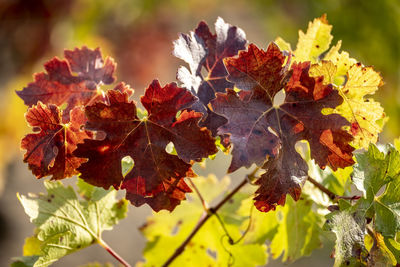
[
  {"x": 328, "y": 192},
  {"x": 248, "y": 226},
  {"x": 205, "y": 218},
  {"x": 203, "y": 202},
  {"x": 112, "y": 252}
]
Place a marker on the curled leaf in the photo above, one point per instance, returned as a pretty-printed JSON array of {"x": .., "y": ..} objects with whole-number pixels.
[{"x": 203, "y": 50}]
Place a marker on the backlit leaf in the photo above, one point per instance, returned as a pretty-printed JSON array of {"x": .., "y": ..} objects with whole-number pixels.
[
  {"x": 259, "y": 128},
  {"x": 365, "y": 115},
  {"x": 354, "y": 82},
  {"x": 298, "y": 231},
  {"x": 203, "y": 50},
  {"x": 49, "y": 151},
  {"x": 157, "y": 176},
  {"x": 375, "y": 169},
  {"x": 315, "y": 41},
  {"x": 73, "y": 81},
  {"x": 66, "y": 223}
]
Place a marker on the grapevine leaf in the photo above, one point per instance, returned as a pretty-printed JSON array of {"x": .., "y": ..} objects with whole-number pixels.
[
  {"x": 49, "y": 151},
  {"x": 292, "y": 230},
  {"x": 365, "y": 115},
  {"x": 387, "y": 207},
  {"x": 257, "y": 128},
  {"x": 342, "y": 62},
  {"x": 66, "y": 223},
  {"x": 353, "y": 81},
  {"x": 338, "y": 181},
  {"x": 166, "y": 231},
  {"x": 349, "y": 228},
  {"x": 375, "y": 169},
  {"x": 25, "y": 261},
  {"x": 157, "y": 176},
  {"x": 203, "y": 50},
  {"x": 397, "y": 143},
  {"x": 394, "y": 248},
  {"x": 73, "y": 81},
  {"x": 282, "y": 44},
  {"x": 315, "y": 41},
  {"x": 298, "y": 231},
  {"x": 263, "y": 226},
  {"x": 380, "y": 254}
]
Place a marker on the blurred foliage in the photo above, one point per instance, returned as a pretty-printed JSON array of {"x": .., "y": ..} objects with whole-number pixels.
[{"x": 139, "y": 35}]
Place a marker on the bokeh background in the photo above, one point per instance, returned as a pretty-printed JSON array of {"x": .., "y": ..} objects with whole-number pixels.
[{"x": 138, "y": 34}]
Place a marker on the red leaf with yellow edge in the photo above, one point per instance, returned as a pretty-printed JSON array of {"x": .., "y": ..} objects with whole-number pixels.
[
  {"x": 73, "y": 81},
  {"x": 50, "y": 150},
  {"x": 260, "y": 129},
  {"x": 157, "y": 176}
]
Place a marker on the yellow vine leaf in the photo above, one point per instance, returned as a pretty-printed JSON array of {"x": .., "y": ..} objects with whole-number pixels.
[
  {"x": 353, "y": 81},
  {"x": 282, "y": 44},
  {"x": 311, "y": 44},
  {"x": 341, "y": 60},
  {"x": 365, "y": 115},
  {"x": 315, "y": 41}
]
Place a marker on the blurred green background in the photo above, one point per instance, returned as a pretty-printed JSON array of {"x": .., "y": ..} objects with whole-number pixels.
[{"x": 138, "y": 34}]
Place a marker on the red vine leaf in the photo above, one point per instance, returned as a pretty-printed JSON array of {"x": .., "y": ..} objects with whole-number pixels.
[
  {"x": 157, "y": 176},
  {"x": 72, "y": 81},
  {"x": 203, "y": 50},
  {"x": 50, "y": 151},
  {"x": 258, "y": 129}
]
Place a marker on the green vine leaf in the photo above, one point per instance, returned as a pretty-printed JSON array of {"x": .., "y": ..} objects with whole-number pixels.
[
  {"x": 377, "y": 176},
  {"x": 298, "y": 232},
  {"x": 292, "y": 231},
  {"x": 66, "y": 223},
  {"x": 375, "y": 169}
]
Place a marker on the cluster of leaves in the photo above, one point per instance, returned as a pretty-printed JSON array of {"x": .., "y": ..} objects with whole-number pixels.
[
  {"x": 112, "y": 130},
  {"x": 259, "y": 104}
]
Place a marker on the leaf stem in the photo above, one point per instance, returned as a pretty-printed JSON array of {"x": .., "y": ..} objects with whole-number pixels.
[
  {"x": 112, "y": 252},
  {"x": 211, "y": 211},
  {"x": 328, "y": 192}
]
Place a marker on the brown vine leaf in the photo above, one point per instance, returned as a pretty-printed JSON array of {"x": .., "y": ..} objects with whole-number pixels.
[
  {"x": 50, "y": 150},
  {"x": 157, "y": 176},
  {"x": 260, "y": 128},
  {"x": 203, "y": 50},
  {"x": 70, "y": 82}
]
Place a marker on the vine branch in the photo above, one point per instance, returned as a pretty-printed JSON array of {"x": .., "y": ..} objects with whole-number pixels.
[
  {"x": 211, "y": 211},
  {"x": 329, "y": 193}
]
